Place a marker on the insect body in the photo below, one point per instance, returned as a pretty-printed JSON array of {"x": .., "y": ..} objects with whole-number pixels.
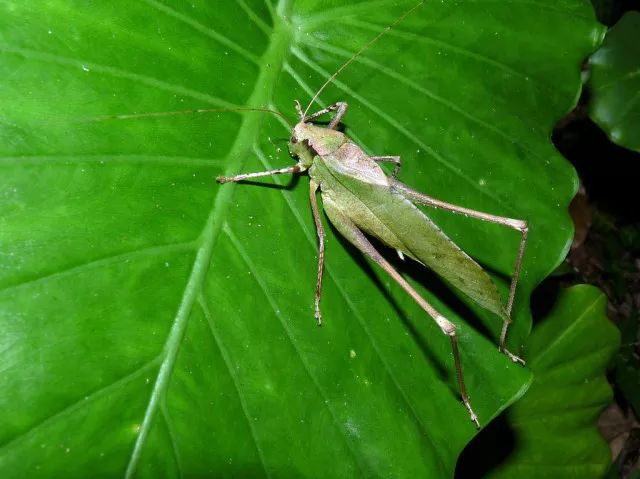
[
  {"x": 358, "y": 198},
  {"x": 361, "y": 200}
]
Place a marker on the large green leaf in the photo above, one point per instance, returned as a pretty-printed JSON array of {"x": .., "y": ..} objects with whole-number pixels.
[
  {"x": 615, "y": 83},
  {"x": 156, "y": 323},
  {"x": 555, "y": 422}
]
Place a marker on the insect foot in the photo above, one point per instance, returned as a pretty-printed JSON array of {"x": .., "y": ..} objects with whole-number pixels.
[
  {"x": 513, "y": 357},
  {"x": 224, "y": 179},
  {"x": 474, "y": 416}
]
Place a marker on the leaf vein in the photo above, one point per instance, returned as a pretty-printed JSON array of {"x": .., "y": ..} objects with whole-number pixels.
[
  {"x": 173, "y": 342},
  {"x": 422, "y": 38},
  {"x": 80, "y": 403},
  {"x": 254, "y": 17},
  {"x": 174, "y": 446},
  {"x": 630, "y": 75},
  {"x": 98, "y": 263},
  {"x": 208, "y": 31},
  {"x": 293, "y": 74},
  {"x": 395, "y": 124},
  {"x": 115, "y": 72},
  {"x": 437, "y": 98},
  {"x": 333, "y": 14},
  {"x": 311, "y": 238},
  {"x": 265, "y": 83},
  {"x": 568, "y": 331},
  {"x": 109, "y": 158},
  {"x": 541, "y": 6},
  {"x": 234, "y": 378},
  {"x": 272, "y": 303}
]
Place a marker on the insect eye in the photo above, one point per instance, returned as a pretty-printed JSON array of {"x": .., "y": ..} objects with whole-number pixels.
[{"x": 294, "y": 139}]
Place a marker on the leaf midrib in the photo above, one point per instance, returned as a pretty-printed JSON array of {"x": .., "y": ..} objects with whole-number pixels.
[{"x": 270, "y": 66}]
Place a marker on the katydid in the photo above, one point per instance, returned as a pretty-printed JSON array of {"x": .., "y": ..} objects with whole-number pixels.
[{"x": 360, "y": 199}]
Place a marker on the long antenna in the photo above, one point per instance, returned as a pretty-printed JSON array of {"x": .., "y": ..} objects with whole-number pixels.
[
  {"x": 363, "y": 49},
  {"x": 182, "y": 112}
]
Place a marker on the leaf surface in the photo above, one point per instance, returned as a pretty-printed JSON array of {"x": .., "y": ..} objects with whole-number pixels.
[
  {"x": 555, "y": 422},
  {"x": 615, "y": 83},
  {"x": 156, "y": 323}
]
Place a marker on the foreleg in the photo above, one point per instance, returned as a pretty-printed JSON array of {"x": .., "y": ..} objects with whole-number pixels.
[{"x": 246, "y": 176}]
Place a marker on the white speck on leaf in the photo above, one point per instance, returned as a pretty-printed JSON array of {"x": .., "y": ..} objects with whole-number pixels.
[{"x": 352, "y": 428}]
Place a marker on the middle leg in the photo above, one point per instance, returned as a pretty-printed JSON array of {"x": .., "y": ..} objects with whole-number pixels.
[
  {"x": 351, "y": 232},
  {"x": 393, "y": 159},
  {"x": 313, "y": 188}
]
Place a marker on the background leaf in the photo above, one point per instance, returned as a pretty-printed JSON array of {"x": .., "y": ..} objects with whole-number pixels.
[
  {"x": 155, "y": 323},
  {"x": 627, "y": 368},
  {"x": 615, "y": 83},
  {"x": 555, "y": 422}
]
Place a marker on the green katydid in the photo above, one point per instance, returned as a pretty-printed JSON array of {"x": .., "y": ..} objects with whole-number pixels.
[{"x": 360, "y": 199}]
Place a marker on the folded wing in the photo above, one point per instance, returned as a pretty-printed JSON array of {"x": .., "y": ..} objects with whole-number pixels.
[{"x": 385, "y": 213}]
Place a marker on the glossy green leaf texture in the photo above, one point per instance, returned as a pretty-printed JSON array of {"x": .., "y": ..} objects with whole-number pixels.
[
  {"x": 627, "y": 367},
  {"x": 615, "y": 83},
  {"x": 555, "y": 422},
  {"x": 154, "y": 323}
]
